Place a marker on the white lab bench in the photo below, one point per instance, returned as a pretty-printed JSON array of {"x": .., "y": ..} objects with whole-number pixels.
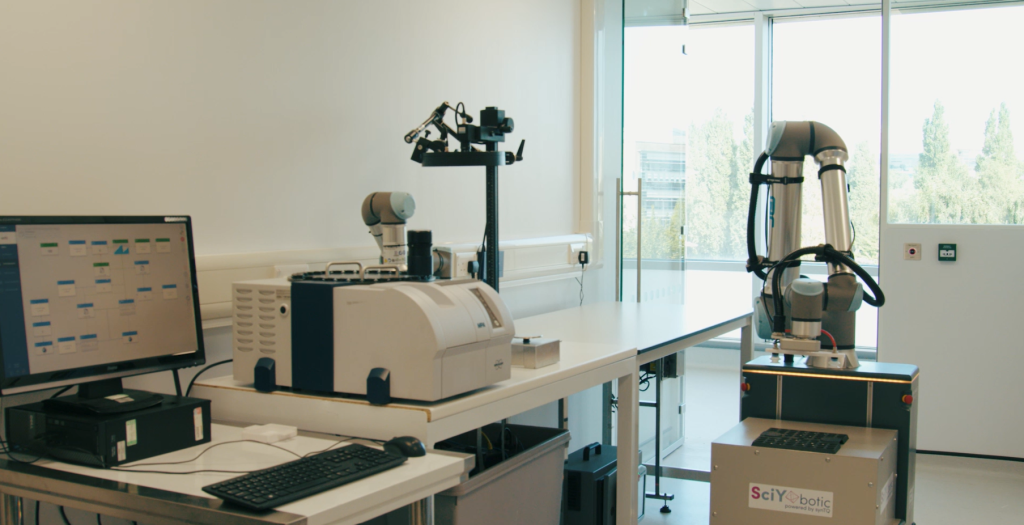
[
  {"x": 600, "y": 344},
  {"x": 656, "y": 330},
  {"x": 164, "y": 498},
  {"x": 582, "y": 366}
]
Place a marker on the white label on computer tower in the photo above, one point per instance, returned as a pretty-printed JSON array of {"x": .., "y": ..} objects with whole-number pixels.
[
  {"x": 197, "y": 418},
  {"x": 789, "y": 499},
  {"x": 122, "y": 452},
  {"x": 131, "y": 433}
]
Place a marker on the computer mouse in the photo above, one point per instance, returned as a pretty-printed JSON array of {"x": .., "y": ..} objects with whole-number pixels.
[{"x": 406, "y": 446}]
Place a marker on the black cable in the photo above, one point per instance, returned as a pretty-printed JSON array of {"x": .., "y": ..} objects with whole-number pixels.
[
  {"x": 829, "y": 254},
  {"x": 753, "y": 264},
  {"x": 854, "y": 228},
  {"x": 315, "y": 452},
  {"x": 207, "y": 449},
  {"x": 7, "y": 451},
  {"x": 37, "y": 512},
  {"x": 193, "y": 381},
  {"x": 580, "y": 280},
  {"x": 63, "y": 516},
  {"x": 99, "y": 521},
  {"x": 201, "y": 471},
  {"x": 61, "y": 391},
  {"x": 457, "y": 113},
  {"x": 177, "y": 382}
]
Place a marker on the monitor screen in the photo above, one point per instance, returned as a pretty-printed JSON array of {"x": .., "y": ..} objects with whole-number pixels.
[{"x": 89, "y": 298}]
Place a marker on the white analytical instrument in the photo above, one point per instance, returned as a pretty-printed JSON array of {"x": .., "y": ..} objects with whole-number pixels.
[{"x": 331, "y": 331}]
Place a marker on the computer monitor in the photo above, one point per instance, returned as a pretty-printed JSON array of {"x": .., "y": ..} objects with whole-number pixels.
[{"x": 89, "y": 300}]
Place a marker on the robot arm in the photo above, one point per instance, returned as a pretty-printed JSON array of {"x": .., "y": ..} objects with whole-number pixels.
[
  {"x": 385, "y": 213},
  {"x": 838, "y": 301}
]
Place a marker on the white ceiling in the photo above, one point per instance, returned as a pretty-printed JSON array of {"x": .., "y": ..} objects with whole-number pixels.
[
  {"x": 708, "y": 7},
  {"x": 712, "y": 7}
]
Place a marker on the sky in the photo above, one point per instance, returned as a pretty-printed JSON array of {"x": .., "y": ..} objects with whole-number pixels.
[{"x": 829, "y": 70}]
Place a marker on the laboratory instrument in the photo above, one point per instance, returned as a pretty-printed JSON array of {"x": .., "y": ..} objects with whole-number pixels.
[
  {"x": 432, "y": 340},
  {"x": 801, "y": 314},
  {"x": 275, "y": 486},
  {"x": 381, "y": 331},
  {"x": 327, "y": 332},
  {"x": 753, "y": 483},
  {"x": 817, "y": 320},
  {"x": 494, "y": 125}
]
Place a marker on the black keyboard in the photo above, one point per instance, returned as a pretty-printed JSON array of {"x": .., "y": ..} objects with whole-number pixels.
[
  {"x": 801, "y": 440},
  {"x": 272, "y": 487}
]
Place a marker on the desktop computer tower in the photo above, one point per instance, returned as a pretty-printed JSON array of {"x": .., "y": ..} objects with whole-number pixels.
[
  {"x": 107, "y": 440},
  {"x": 588, "y": 487}
]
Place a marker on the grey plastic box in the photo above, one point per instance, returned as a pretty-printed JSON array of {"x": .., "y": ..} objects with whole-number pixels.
[{"x": 526, "y": 488}]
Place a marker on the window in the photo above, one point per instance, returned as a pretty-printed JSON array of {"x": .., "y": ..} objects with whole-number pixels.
[
  {"x": 829, "y": 70},
  {"x": 955, "y": 91},
  {"x": 688, "y": 133}
]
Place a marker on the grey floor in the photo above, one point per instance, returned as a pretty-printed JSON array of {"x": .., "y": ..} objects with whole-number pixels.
[{"x": 950, "y": 490}]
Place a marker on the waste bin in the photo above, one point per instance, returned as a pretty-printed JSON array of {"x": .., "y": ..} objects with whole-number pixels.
[{"x": 525, "y": 488}]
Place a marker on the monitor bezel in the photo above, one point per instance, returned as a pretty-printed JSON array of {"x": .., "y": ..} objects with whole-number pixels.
[{"x": 74, "y": 376}]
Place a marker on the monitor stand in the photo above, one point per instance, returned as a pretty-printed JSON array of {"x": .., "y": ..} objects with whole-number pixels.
[{"x": 106, "y": 396}]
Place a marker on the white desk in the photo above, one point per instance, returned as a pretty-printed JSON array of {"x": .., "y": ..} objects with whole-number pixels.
[
  {"x": 600, "y": 344},
  {"x": 582, "y": 366},
  {"x": 654, "y": 329},
  {"x": 163, "y": 498}
]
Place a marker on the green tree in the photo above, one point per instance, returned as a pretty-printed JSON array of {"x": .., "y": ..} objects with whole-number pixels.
[
  {"x": 711, "y": 184},
  {"x": 739, "y": 192},
  {"x": 999, "y": 173},
  {"x": 661, "y": 239},
  {"x": 946, "y": 193},
  {"x": 862, "y": 176}
]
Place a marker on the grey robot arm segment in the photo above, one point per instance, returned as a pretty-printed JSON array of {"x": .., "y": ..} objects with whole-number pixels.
[{"x": 385, "y": 213}]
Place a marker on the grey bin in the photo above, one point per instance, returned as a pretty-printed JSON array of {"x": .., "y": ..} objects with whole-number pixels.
[{"x": 525, "y": 488}]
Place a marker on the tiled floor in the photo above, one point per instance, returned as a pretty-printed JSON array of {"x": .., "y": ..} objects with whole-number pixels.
[{"x": 950, "y": 490}]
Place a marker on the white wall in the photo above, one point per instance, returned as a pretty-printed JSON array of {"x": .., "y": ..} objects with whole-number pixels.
[
  {"x": 270, "y": 121},
  {"x": 960, "y": 323},
  {"x": 601, "y": 154}
]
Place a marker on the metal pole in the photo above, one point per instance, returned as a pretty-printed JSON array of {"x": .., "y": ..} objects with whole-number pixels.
[
  {"x": 639, "y": 232},
  {"x": 660, "y": 363},
  {"x": 10, "y": 510},
  {"x": 606, "y": 414},
  {"x": 491, "y": 271},
  {"x": 503, "y": 423},
  {"x": 479, "y": 450},
  {"x": 639, "y": 193}
]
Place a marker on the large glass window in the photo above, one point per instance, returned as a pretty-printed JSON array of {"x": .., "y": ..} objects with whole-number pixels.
[
  {"x": 829, "y": 70},
  {"x": 688, "y": 133},
  {"x": 955, "y": 90}
]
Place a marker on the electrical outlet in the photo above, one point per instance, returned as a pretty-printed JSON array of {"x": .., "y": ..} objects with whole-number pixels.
[
  {"x": 912, "y": 251},
  {"x": 574, "y": 252},
  {"x": 462, "y": 263}
]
